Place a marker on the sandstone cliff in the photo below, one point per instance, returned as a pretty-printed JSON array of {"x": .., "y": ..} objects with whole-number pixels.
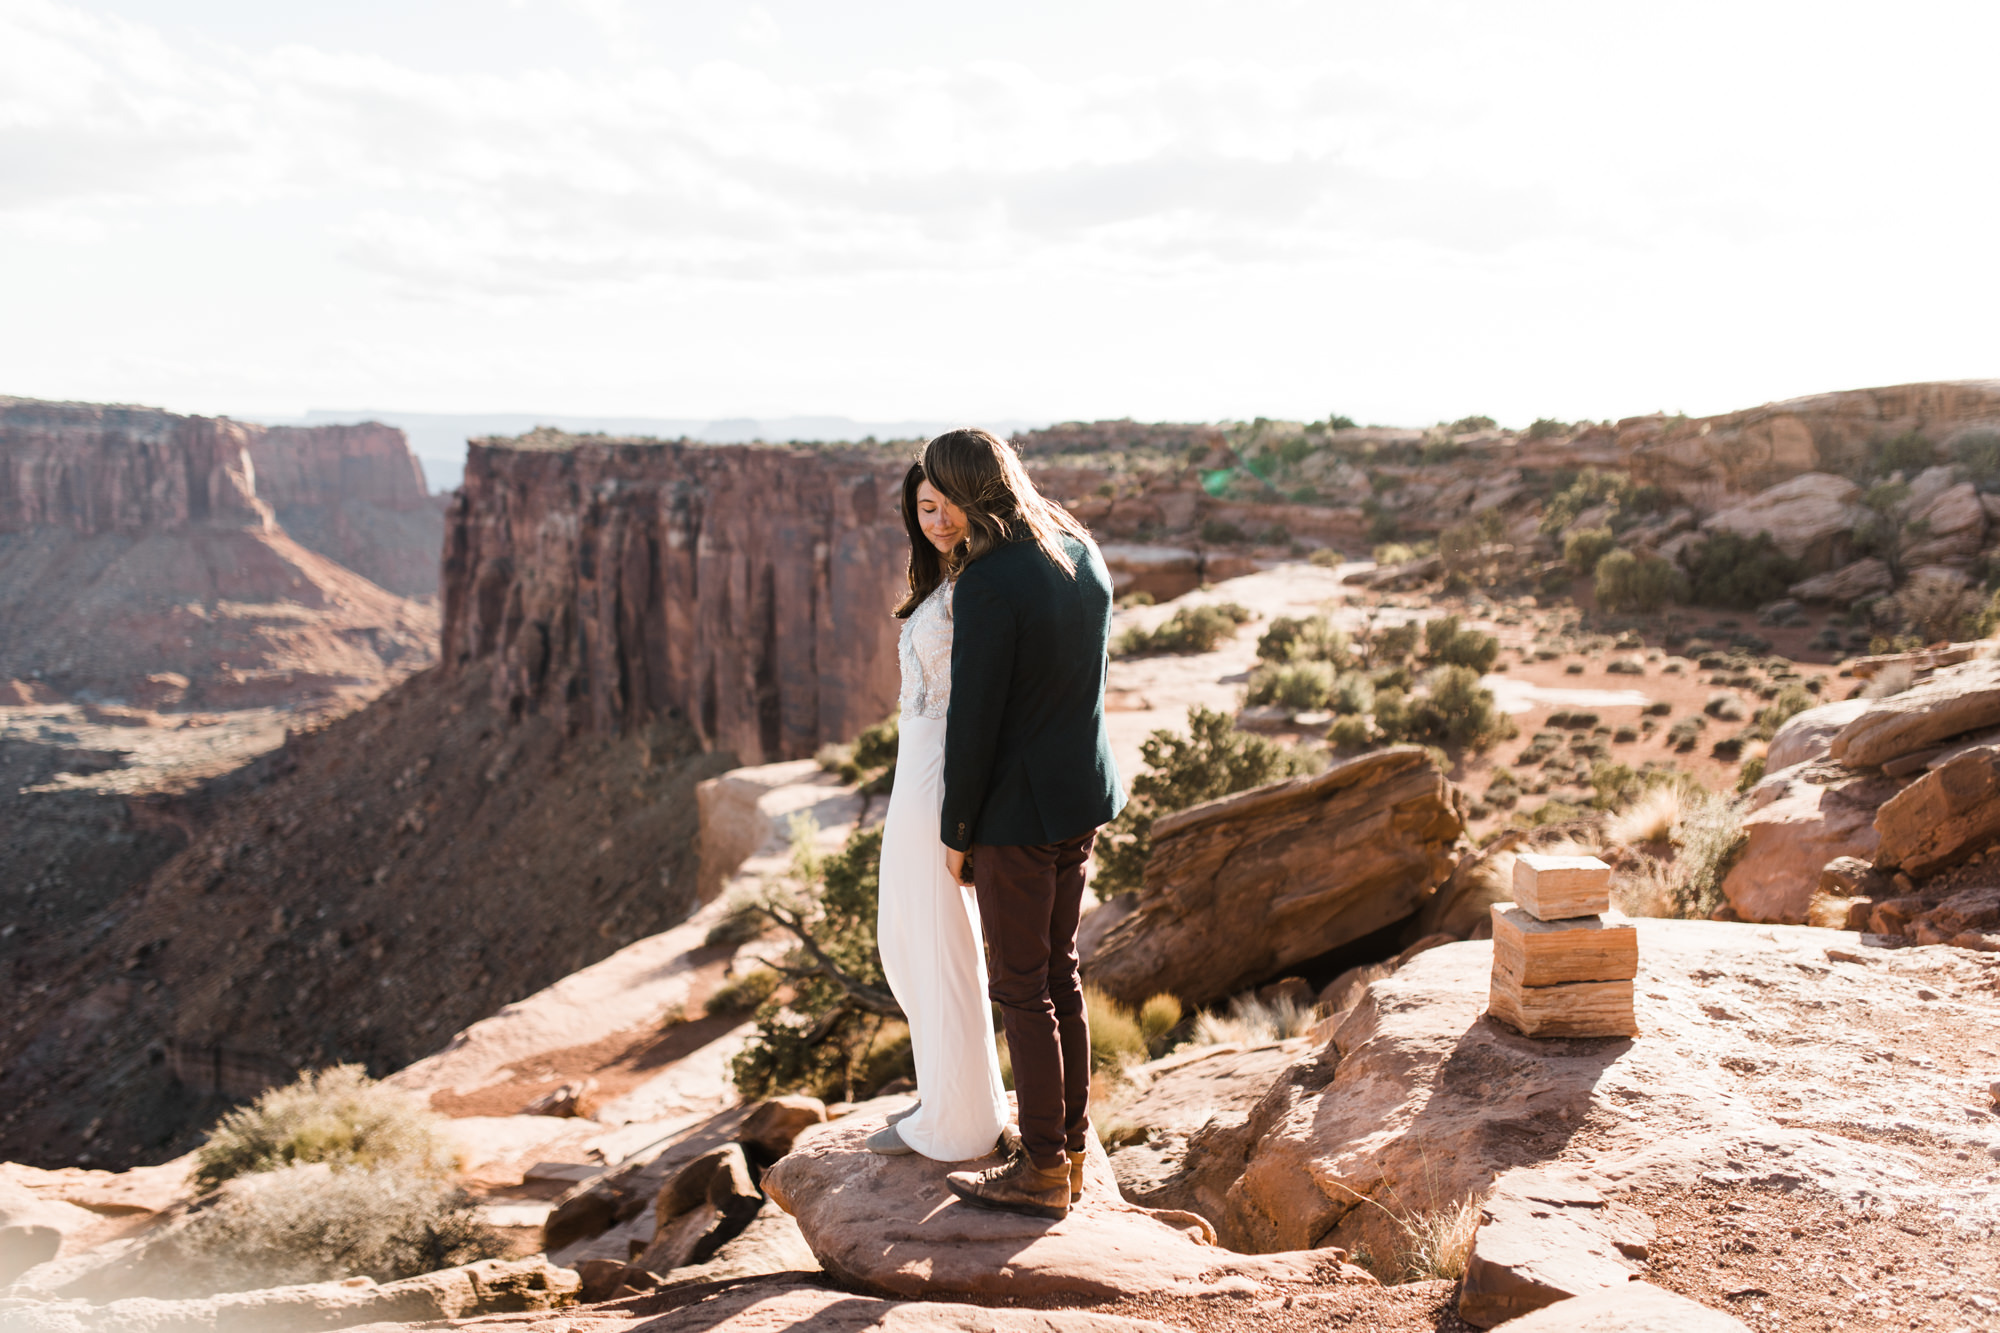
[
  {"x": 744, "y": 589},
  {"x": 166, "y": 560}
]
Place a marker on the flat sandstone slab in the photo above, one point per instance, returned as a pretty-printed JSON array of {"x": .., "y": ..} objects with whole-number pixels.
[
  {"x": 1576, "y": 1009},
  {"x": 1532, "y": 952},
  {"x": 1554, "y": 887},
  {"x": 890, "y": 1224},
  {"x": 1636, "y": 1307}
]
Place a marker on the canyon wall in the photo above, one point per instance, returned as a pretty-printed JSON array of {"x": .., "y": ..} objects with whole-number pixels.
[
  {"x": 743, "y": 589},
  {"x": 173, "y": 561}
]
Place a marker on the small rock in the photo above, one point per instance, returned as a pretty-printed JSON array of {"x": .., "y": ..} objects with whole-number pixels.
[
  {"x": 1544, "y": 1237},
  {"x": 575, "y": 1098},
  {"x": 776, "y": 1121}
]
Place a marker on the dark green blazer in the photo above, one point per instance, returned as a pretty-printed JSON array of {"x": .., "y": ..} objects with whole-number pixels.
[{"x": 1026, "y": 757}]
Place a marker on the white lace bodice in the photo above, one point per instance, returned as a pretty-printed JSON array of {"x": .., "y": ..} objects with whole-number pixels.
[{"x": 925, "y": 653}]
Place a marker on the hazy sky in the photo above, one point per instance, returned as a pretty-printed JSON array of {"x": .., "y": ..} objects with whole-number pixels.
[{"x": 1401, "y": 211}]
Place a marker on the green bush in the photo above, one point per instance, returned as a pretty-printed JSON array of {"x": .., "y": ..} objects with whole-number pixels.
[
  {"x": 1349, "y": 733},
  {"x": 1213, "y": 759},
  {"x": 1978, "y": 452},
  {"x": 1191, "y": 629},
  {"x": 1311, "y": 637},
  {"x": 1301, "y": 686},
  {"x": 744, "y": 994},
  {"x": 1394, "y": 643},
  {"x": 1732, "y": 570},
  {"x": 1544, "y": 428},
  {"x": 819, "y": 1038},
  {"x": 1325, "y": 557},
  {"x": 1221, "y": 532},
  {"x": 1641, "y": 583},
  {"x": 1788, "y": 704},
  {"x": 1353, "y": 693},
  {"x": 1589, "y": 489},
  {"x": 1725, "y": 706},
  {"x": 338, "y": 1116},
  {"x": 1447, "y": 643},
  {"x": 869, "y": 763},
  {"x": 1583, "y": 548},
  {"x": 310, "y": 1224},
  {"x": 1453, "y": 710},
  {"x": 1392, "y": 553},
  {"x": 1711, "y": 837}
]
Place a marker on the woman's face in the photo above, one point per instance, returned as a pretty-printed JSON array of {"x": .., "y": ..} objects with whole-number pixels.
[{"x": 942, "y": 521}]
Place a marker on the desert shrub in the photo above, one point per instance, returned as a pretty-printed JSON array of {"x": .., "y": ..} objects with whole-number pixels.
[
  {"x": 1221, "y": 532},
  {"x": 313, "y": 1224},
  {"x": 1325, "y": 557},
  {"x": 1711, "y": 837},
  {"x": 1300, "y": 686},
  {"x": 1137, "y": 598},
  {"x": 1935, "y": 608},
  {"x": 1589, "y": 489},
  {"x": 1586, "y": 547},
  {"x": 1213, "y": 759},
  {"x": 1352, "y": 693},
  {"x": 1683, "y": 734},
  {"x": 1651, "y": 818},
  {"x": 1891, "y": 679},
  {"x": 337, "y": 1116},
  {"x": 1312, "y": 637},
  {"x": 1615, "y": 786},
  {"x": 1727, "y": 707},
  {"x": 1350, "y": 733},
  {"x": 1158, "y": 1017},
  {"x": 1978, "y": 452},
  {"x": 1909, "y": 452},
  {"x": 1751, "y": 774},
  {"x": 1788, "y": 704},
  {"x": 1437, "y": 1242},
  {"x": 1732, "y": 570},
  {"x": 1252, "y": 1021},
  {"x": 1116, "y": 1039},
  {"x": 1393, "y": 553},
  {"x": 744, "y": 994},
  {"x": 742, "y": 923},
  {"x": 1658, "y": 708},
  {"x": 869, "y": 763},
  {"x": 1546, "y": 428},
  {"x": 1641, "y": 583},
  {"x": 1448, "y": 643},
  {"x": 1191, "y": 629},
  {"x": 1467, "y": 425},
  {"x": 817, "y": 1037},
  {"x": 1394, "y": 643},
  {"x": 1453, "y": 710}
]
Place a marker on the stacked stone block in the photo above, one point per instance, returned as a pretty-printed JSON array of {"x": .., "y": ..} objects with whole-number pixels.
[{"x": 1561, "y": 967}]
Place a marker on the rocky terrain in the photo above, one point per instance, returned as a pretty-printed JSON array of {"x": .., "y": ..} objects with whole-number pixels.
[{"x": 545, "y": 846}]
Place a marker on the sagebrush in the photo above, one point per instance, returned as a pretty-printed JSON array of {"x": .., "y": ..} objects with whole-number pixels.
[{"x": 337, "y": 1116}]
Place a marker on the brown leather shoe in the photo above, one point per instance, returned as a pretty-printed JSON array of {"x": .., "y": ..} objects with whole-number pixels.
[
  {"x": 1076, "y": 1176},
  {"x": 1017, "y": 1187}
]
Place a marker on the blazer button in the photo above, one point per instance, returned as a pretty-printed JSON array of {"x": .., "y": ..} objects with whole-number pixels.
[{"x": 961, "y": 830}]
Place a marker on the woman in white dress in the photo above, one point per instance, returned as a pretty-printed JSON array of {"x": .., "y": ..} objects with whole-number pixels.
[{"x": 928, "y": 927}]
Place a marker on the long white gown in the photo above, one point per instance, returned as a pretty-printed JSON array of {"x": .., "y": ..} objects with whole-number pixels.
[{"x": 928, "y": 925}]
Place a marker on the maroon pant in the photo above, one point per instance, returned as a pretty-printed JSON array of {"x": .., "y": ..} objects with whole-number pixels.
[{"x": 1029, "y": 901}]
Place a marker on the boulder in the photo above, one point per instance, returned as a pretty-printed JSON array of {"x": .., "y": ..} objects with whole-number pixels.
[
  {"x": 1869, "y": 577},
  {"x": 1792, "y": 837},
  {"x": 773, "y": 1123},
  {"x": 1807, "y": 735},
  {"x": 1241, "y": 888},
  {"x": 1946, "y": 527},
  {"x": 1944, "y": 817},
  {"x": 1181, "y": 1093},
  {"x": 1968, "y": 919},
  {"x": 1419, "y": 1100},
  {"x": 772, "y": 1243},
  {"x": 1636, "y": 1307},
  {"x": 890, "y": 1224},
  {"x": 28, "y": 1236},
  {"x": 1808, "y": 517},
  {"x": 1957, "y": 699},
  {"x": 705, "y": 1205},
  {"x": 490, "y": 1286},
  {"x": 1545, "y": 1236}
]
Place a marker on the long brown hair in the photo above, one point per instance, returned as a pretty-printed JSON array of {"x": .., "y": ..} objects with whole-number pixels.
[
  {"x": 927, "y": 567},
  {"x": 982, "y": 475}
]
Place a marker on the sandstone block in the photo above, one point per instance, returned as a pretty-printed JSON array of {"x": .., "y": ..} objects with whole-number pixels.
[
  {"x": 1533, "y": 952},
  {"x": 1792, "y": 837},
  {"x": 705, "y": 1205},
  {"x": 1574, "y": 1009},
  {"x": 1240, "y": 889},
  {"x": 1955, "y": 700},
  {"x": 1807, "y": 735},
  {"x": 1849, "y": 583},
  {"x": 1554, "y": 887},
  {"x": 1545, "y": 1237},
  {"x": 1635, "y": 1307},
  {"x": 1944, "y": 817},
  {"x": 1807, "y": 517}
]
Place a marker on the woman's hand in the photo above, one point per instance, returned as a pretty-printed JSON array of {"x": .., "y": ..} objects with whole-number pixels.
[{"x": 954, "y": 864}]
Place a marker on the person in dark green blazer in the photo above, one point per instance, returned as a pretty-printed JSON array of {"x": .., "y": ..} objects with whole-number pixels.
[{"x": 1028, "y": 779}]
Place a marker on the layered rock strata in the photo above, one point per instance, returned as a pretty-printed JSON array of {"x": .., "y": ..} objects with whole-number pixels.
[{"x": 745, "y": 590}]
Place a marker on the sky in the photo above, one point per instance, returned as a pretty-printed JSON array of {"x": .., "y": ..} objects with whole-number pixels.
[{"x": 1403, "y": 212}]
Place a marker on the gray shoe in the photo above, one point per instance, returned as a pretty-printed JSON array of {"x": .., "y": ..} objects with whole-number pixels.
[
  {"x": 900, "y": 1116},
  {"x": 888, "y": 1143}
]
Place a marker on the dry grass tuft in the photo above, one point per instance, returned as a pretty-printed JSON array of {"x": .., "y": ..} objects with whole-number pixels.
[
  {"x": 1652, "y": 818},
  {"x": 1438, "y": 1242},
  {"x": 1891, "y": 679},
  {"x": 1251, "y": 1021}
]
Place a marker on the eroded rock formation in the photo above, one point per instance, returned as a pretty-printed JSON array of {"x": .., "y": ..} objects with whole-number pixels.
[{"x": 744, "y": 589}]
